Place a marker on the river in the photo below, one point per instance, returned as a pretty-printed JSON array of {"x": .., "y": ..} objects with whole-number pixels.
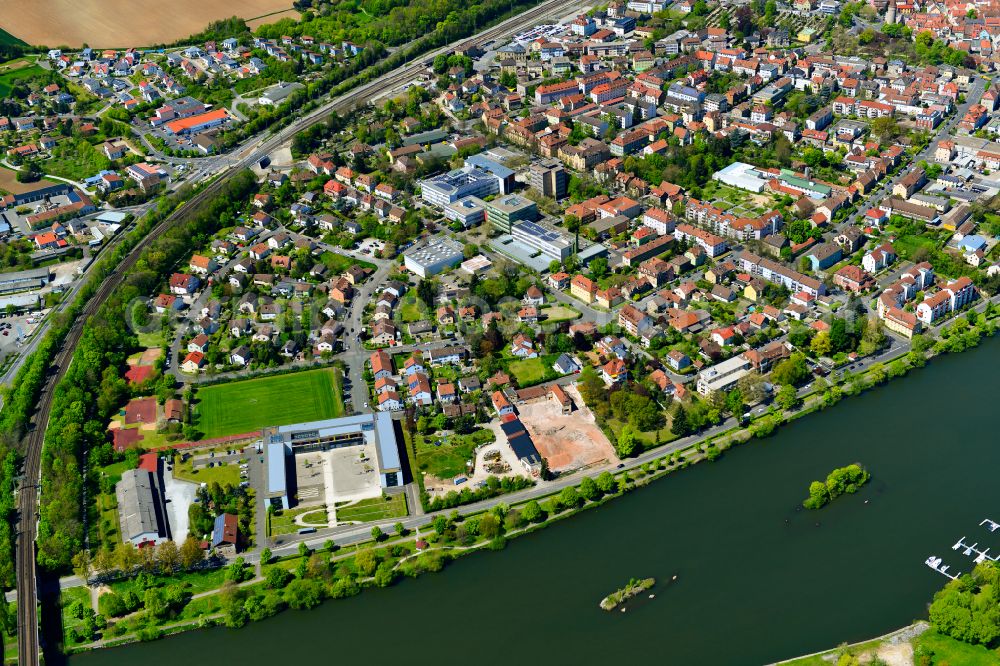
[{"x": 758, "y": 579}]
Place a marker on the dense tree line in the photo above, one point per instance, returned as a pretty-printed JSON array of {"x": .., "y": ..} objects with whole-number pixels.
[
  {"x": 494, "y": 487},
  {"x": 92, "y": 389},
  {"x": 968, "y": 609}
]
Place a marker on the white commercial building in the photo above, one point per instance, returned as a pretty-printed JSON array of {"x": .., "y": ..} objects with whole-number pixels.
[
  {"x": 546, "y": 240},
  {"x": 480, "y": 177},
  {"x": 723, "y": 376},
  {"x": 436, "y": 255},
  {"x": 742, "y": 176}
]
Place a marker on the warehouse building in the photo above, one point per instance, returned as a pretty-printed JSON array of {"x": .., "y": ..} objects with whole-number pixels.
[
  {"x": 742, "y": 176},
  {"x": 142, "y": 511},
  {"x": 35, "y": 278},
  {"x": 437, "y": 255}
]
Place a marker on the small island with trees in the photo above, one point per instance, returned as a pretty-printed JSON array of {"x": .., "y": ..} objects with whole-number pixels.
[
  {"x": 841, "y": 480},
  {"x": 633, "y": 588}
]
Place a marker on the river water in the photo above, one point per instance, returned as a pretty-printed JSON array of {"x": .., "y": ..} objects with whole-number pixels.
[{"x": 758, "y": 579}]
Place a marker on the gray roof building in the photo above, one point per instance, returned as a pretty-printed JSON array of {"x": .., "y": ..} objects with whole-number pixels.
[{"x": 141, "y": 509}]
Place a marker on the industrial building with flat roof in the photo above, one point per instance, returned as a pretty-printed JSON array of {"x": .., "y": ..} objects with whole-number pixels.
[
  {"x": 35, "y": 278},
  {"x": 437, "y": 255},
  {"x": 283, "y": 442}
]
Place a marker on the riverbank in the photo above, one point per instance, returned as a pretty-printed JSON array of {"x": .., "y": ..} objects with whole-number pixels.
[
  {"x": 904, "y": 647},
  {"x": 722, "y": 528},
  {"x": 340, "y": 574}
]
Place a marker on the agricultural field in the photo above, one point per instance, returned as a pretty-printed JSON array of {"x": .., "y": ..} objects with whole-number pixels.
[
  {"x": 8, "y": 39},
  {"x": 9, "y": 184},
  {"x": 119, "y": 23},
  {"x": 255, "y": 23},
  {"x": 238, "y": 407}
]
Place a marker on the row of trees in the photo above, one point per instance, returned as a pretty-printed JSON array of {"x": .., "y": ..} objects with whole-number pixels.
[{"x": 126, "y": 559}]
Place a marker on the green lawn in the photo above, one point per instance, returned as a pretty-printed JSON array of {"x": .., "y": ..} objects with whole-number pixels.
[
  {"x": 556, "y": 313},
  {"x": 338, "y": 263},
  {"x": 907, "y": 244},
  {"x": 239, "y": 407},
  {"x": 227, "y": 473},
  {"x": 283, "y": 522},
  {"x": 376, "y": 508},
  {"x": 531, "y": 371},
  {"x": 945, "y": 651},
  {"x": 9, "y": 77},
  {"x": 648, "y": 439},
  {"x": 948, "y": 650},
  {"x": 67, "y": 598},
  {"x": 75, "y": 159},
  {"x": 412, "y": 311},
  {"x": 151, "y": 340},
  {"x": 448, "y": 459},
  {"x": 194, "y": 582}
]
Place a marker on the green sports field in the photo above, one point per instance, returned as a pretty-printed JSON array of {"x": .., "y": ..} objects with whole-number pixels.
[{"x": 239, "y": 407}]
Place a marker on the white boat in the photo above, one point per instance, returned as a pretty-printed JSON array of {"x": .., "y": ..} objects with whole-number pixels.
[{"x": 935, "y": 563}]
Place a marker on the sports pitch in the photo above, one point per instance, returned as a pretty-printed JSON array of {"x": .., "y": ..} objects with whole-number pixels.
[{"x": 239, "y": 407}]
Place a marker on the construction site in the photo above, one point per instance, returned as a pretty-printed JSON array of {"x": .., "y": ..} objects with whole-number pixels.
[{"x": 568, "y": 440}]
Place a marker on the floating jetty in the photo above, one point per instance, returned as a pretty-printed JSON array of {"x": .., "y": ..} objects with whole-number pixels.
[
  {"x": 935, "y": 563},
  {"x": 618, "y": 597},
  {"x": 969, "y": 550}
]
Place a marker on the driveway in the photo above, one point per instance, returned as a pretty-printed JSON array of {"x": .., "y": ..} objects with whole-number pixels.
[{"x": 180, "y": 495}]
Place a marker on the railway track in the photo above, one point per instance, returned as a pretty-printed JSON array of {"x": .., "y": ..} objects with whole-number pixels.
[{"x": 27, "y": 583}]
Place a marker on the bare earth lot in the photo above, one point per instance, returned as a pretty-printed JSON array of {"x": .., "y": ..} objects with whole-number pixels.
[
  {"x": 121, "y": 23},
  {"x": 9, "y": 184},
  {"x": 567, "y": 442}
]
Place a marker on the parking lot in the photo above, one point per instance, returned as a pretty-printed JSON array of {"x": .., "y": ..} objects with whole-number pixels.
[{"x": 14, "y": 331}]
